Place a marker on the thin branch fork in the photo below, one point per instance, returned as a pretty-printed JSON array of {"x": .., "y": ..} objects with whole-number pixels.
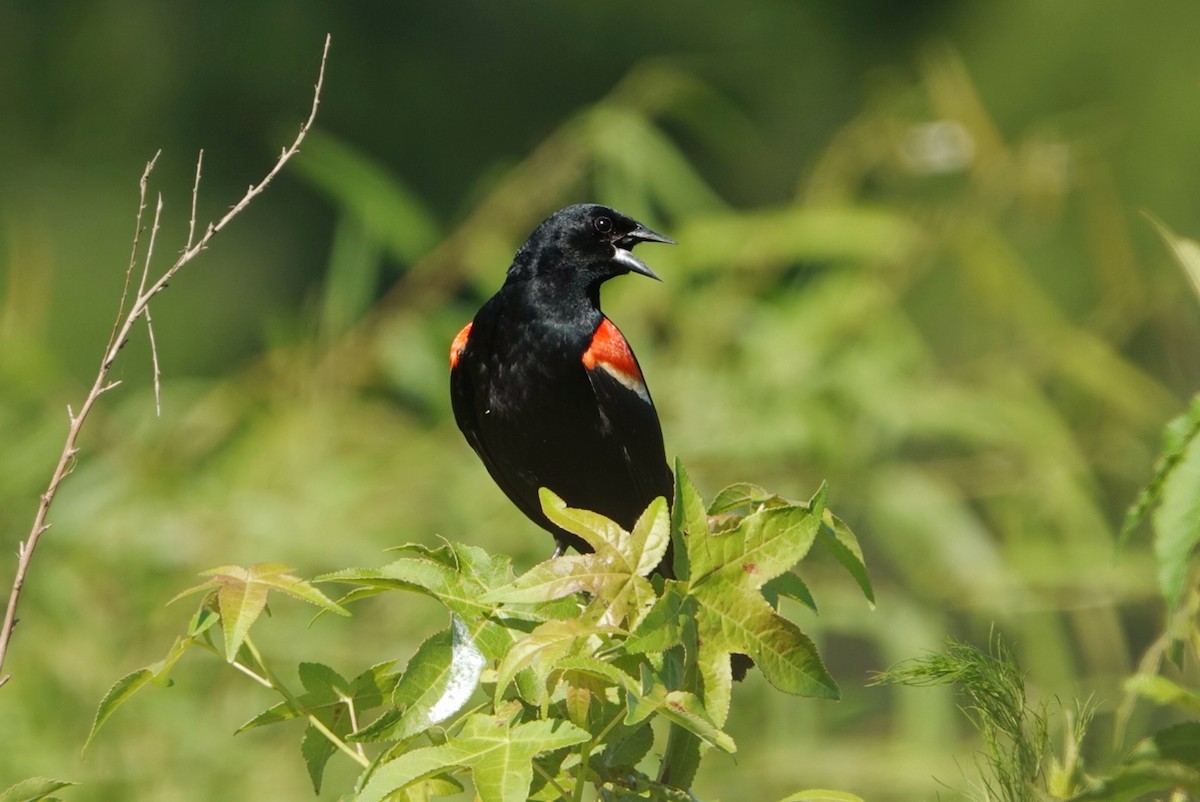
[{"x": 139, "y": 307}]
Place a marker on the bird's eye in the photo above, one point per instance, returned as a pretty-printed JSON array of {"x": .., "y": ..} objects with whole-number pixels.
[{"x": 603, "y": 224}]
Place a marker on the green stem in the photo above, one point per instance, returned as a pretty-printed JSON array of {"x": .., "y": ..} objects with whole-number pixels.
[
  {"x": 562, "y": 792},
  {"x": 586, "y": 754},
  {"x": 300, "y": 710}
]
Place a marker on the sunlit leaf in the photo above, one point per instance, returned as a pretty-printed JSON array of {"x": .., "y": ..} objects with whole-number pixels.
[
  {"x": 33, "y": 789},
  {"x": 1177, "y": 522},
  {"x": 128, "y": 685},
  {"x": 547, "y": 644},
  {"x": 837, "y": 537},
  {"x": 1177, "y": 437},
  {"x": 437, "y": 683},
  {"x": 498, "y": 754}
]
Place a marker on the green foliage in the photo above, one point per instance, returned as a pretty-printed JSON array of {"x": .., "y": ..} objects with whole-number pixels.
[
  {"x": 578, "y": 656},
  {"x": 1014, "y": 734},
  {"x": 33, "y": 789},
  {"x": 978, "y": 352},
  {"x": 1020, "y": 766}
]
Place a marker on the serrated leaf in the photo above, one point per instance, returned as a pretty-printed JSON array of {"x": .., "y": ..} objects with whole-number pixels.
[
  {"x": 547, "y": 644},
  {"x": 1177, "y": 523},
  {"x": 131, "y": 683},
  {"x": 301, "y": 589},
  {"x": 438, "y": 681},
  {"x": 791, "y": 586},
  {"x": 240, "y": 603},
  {"x": 599, "y": 669},
  {"x": 612, "y": 575},
  {"x": 765, "y": 544},
  {"x": 33, "y": 789},
  {"x": 367, "y": 691},
  {"x": 1177, "y": 435},
  {"x": 320, "y": 678},
  {"x": 689, "y": 519},
  {"x": 242, "y": 597},
  {"x": 316, "y": 750},
  {"x": 737, "y": 496},
  {"x": 498, "y": 754},
  {"x": 680, "y": 707},
  {"x": 624, "y": 750},
  {"x": 662, "y": 625},
  {"x": 686, "y": 710},
  {"x": 838, "y": 538},
  {"x": 204, "y": 620}
]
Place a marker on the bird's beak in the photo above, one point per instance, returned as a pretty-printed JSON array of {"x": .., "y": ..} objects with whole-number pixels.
[{"x": 623, "y": 250}]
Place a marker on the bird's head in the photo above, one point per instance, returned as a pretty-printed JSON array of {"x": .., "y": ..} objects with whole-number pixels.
[{"x": 586, "y": 243}]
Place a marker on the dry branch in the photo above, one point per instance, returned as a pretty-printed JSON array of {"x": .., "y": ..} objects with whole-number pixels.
[{"x": 122, "y": 327}]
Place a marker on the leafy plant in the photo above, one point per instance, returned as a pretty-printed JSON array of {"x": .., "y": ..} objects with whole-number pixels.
[{"x": 576, "y": 659}]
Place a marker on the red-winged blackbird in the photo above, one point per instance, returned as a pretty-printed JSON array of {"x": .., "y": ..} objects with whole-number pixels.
[{"x": 546, "y": 388}]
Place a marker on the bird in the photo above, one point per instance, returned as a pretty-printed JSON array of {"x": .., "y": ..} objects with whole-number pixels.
[{"x": 547, "y": 390}]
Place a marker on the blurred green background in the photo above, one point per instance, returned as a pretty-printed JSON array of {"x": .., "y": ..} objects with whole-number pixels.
[{"x": 911, "y": 261}]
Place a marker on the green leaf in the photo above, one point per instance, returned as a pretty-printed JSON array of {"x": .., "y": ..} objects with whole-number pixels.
[
  {"x": 1185, "y": 251},
  {"x": 33, "y": 789},
  {"x": 547, "y": 644},
  {"x": 837, "y": 537},
  {"x": 128, "y": 685},
  {"x": 1177, "y": 522},
  {"x": 821, "y": 795},
  {"x": 278, "y": 578},
  {"x": 625, "y": 749},
  {"x": 689, "y": 519},
  {"x": 737, "y": 496},
  {"x": 599, "y": 669},
  {"x": 680, "y": 707},
  {"x": 316, "y": 750},
  {"x": 438, "y": 681},
  {"x": 242, "y": 597},
  {"x": 786, "y": 656},
  {"x": 367, "y": 691},
  {"x": 765, "y": 544},
  {"x": 1177, "y": 436},
  {"x": 612, "y": 575},
  {"x": 663, "y": 624},
  {"x": 790, "y": 586},
  {"x": 1164, "y": 692},
  {"x": 498, "y": 754}
]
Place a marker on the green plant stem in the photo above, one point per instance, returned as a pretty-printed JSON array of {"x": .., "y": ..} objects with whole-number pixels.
[
  {"x": 299, "y": 709},
  {"x": 586, "y": 754},
  {"x": 562, "y": 792}
]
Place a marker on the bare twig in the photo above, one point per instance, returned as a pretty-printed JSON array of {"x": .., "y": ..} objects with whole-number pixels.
[
  {"x": 142, "y": 291},
  {"x": 137, "y": 238},
  {"x": 196, "y": 194},
  {"x": 120, "y": 334}
]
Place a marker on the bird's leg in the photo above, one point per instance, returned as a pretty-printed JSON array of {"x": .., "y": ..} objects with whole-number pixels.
[{"x": 560, "y": 548}]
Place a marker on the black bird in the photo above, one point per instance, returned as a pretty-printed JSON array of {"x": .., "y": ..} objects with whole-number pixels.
[{"x": 547, "y": 390}]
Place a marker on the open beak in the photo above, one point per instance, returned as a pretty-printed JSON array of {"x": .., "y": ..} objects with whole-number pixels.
[{"x": 623, "y": 250}]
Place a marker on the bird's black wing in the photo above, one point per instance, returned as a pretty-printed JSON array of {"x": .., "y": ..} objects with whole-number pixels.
[{"x": 467, "y": 398}]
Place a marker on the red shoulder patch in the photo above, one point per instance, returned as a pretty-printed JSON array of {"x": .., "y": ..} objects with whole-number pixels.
[
  {"x": 460, "y": 342},
  {"x": 610, "y": 351}
]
